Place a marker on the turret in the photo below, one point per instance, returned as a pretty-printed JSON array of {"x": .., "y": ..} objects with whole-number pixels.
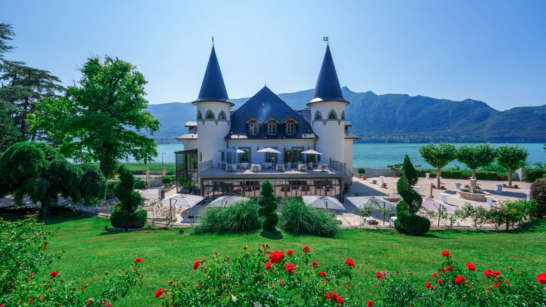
[
  {"x": 328, "y": 112},
  {"x": 213, "y": 113}
]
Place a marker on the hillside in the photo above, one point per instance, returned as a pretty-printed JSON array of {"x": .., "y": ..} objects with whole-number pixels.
[{"x": 399, "y": 118}]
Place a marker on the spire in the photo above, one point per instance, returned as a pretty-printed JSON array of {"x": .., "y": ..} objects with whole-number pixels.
[
  {"x": 213, "y": 87},
  {"x": 327, "y": 87}
]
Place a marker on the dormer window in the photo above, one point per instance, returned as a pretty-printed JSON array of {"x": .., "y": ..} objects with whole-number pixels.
[
  {"x": 209, "y": 115},
  {"x": 272, "y": 127},
  {"x": 199, "y": 115},
  {"x": 222, "y": 115},
  {"x": 332, "y": 115},
  {"x": 318, "y": 115},
  {"x": 252, "y": 127},
  {"x": 290, "y": 127}
]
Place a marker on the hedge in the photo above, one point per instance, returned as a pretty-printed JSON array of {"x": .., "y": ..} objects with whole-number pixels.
[
  {"x": 461, "y": 174},
  {"x": 532, "y": 174}
]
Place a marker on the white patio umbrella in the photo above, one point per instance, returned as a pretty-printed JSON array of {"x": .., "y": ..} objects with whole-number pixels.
[
  {"x": 323, "y": 202},
  {"x": 311, "y": 152},
  {"x": 231, "y": 150},
  {"x": 269, "y": 150},
  {"x": 226, "y": 201}
]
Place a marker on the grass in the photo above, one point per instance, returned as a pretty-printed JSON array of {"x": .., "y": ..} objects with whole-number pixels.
[{"x": 88, "y": 252}]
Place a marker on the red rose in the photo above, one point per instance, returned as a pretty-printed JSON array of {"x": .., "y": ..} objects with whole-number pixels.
[
  {"x": 379, "y": 275},
  {"x": 90, "y": 300},
  {"x": 487, "y": 273},
  {"x": 496, "y": 273},
  {"x": 107, "y": 304},
  {"x": 370, "y": 303},
  {"x": 306, "y": 249},
  {"x": 434, "y": 275},
  {"x": 138, "y": 260},
  {"x": 445, "y": 253},
  {"x": 440, "y": 282},
  {"x": 45, "y": 245},
  {"x": 459, "y": 279},
  {"x": 340, "y": 300},
  {"x": 349, "y": 262},
  {"x": 268, "y": 265},
  {"x": 497, "y": 284},
  {"x": 427, "y": 284},
  {"x": 506, "y": 281},
  {"x": 327, "y": 296},
  {"x": 289, "y": 252},
  {"x": 54, "y": 273},
  {"x": 30, "y": 300},
  {"x": 289, "y": 267},
  {"x": 541, "y": 278},
  {"x": 470, "y": 266},
  {"x": 159, "y": 292},
  {"x": 276, "y": 256},
  {"x": 196, "y": 265},
  {"x": 449, "y": 268},
  {"x": 322, "y": 273},
  {"x": 314, "y": 263}
]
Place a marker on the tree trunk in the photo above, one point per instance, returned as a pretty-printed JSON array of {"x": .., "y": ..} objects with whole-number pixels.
[
  {"x": 509, "y": 177},
  {"x": 473, "y": 181},
  {"x": 438, "y": 174}
]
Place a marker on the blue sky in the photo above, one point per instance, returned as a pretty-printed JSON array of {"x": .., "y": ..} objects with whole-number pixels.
[{"x": 493, "y": 51}]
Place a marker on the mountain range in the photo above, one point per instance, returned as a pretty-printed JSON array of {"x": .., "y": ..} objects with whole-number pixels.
[{"x": 397, "y": 118}]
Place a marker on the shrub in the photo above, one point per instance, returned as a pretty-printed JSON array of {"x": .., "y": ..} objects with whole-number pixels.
[
  {"x": 361, "y": 171},
  {"x": 532, "y": 174},
  {"x": 140, "y": 184},
  {"x": 538, "y": 193},
  {"x": 166, "y": 180},
  {"x": 297, "y": 218},
  {"x": 485, "y": 175},
  {"x": 411, "y": 224},
  {"x": 124, "y": 214},
  {"x": 28, "y": 279},
  {"x": 268, "y": 206},
  {"x": 242, "y": 217},
  {"x": 263, "y": 278},
  {"x": 186, "y": 183}
]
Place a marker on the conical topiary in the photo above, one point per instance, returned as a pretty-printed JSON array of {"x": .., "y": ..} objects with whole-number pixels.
[{"x": 268, "y": 207}]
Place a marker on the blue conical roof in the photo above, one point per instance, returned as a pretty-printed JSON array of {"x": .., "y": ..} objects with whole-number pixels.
[
  {"x": 327, "y": 87},
  {"x": 213, "y": 87}
]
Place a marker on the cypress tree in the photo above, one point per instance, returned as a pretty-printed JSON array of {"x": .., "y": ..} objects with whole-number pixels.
[{"x": 268, "y": 207}]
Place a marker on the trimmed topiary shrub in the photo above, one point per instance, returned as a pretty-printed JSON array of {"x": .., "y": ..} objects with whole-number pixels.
[
  {"x": 268, "y": 206},
  {"x": 140, "y": 184},
  {"x": 297, "y": 218},
  {"x": 124, "y": 214},
  {"x": 406, "y": 219},
  {"x": 242, "y": 217},
  {"x": 166, "y": 180}
]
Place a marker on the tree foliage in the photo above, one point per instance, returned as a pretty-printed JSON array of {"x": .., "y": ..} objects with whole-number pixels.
[
  {"x": 268, "y": 207},
  {"x": 6, "y": 34},
  {"x": 511, "y": 157},
  {"x": 103, "y": 118},
  {"x": 409, "y": 171},
  {"x": 475, "y": 156},
  {"x": 38, "y": 171},
  {"x": 125, "y": 214},
  {"x": 438, "y": 156}
]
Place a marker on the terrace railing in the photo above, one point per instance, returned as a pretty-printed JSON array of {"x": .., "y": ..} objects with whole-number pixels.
[
  {"x": 205, "y": 165},
  {"x": 341, "y": 167}
]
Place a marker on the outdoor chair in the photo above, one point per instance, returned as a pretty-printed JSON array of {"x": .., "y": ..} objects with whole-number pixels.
[
  {"x": 280, "y": 167},
  {"x": 255, "y": 167},
  {"x": 302, "y": 167},
  {"x": 323, "y": 167}
]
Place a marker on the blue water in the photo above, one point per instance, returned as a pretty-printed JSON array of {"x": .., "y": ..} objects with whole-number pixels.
[{"x": 376, "y": 155}]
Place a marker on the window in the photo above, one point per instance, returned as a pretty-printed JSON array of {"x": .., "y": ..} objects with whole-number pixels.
[
  {"x": 297, "y": 156},
  {"x": 290, "y": 128},
  {"x": 318, "y": 115},
  {"x": 271, "y": 128},
  {"x": 332, "y": 115},
  {"x": 245, "y": 156},
  {"x": 343, "y": 115},
  {"x": 222, "y": 116},
  {"x": 209, "y": 115},
  {"x": 199, "y": 115},
  {"x": 252, "y": 127},
  {"x": 271, "y": 157}
]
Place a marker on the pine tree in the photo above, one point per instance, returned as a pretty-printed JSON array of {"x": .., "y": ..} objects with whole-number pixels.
[{"x": 268, "y": 207}]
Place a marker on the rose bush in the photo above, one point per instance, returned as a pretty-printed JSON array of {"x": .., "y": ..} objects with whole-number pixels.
[{"x": 25, "y": 278}]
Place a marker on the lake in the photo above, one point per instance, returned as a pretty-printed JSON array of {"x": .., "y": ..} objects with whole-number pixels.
[{"x": 375, "y": 155}]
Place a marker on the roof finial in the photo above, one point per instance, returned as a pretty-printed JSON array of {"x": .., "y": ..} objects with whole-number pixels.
[
  {"x": 325, "y": 38},
  {"x": 212, "y": 38}
]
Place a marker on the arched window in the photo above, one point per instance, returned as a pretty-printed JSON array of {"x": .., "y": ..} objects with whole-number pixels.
[
  {"x": 290, "y": 127},
  {"x": 332, "y": 115},
  {"x": 252, "y": 127},
  {"x": 343, "y": 115},
  {"x": 271, "y": 128},
  {"x": 222, "y": 115},
  {"x": 318, "y": 115},
  {"x": 209, "y": 115},
  {"x": 199, "y": 115}
]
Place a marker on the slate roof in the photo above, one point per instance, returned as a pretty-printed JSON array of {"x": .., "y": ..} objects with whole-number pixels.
[
  {"x": 262, "y": 106},
  {"x": 213, "y": 87},
  {"x": 327, "y": 87}
]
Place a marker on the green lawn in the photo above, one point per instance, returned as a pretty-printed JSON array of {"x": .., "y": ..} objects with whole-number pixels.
[{"x": 89, "y": 251}]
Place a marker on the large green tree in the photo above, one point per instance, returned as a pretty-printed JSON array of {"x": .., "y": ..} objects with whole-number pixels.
[
  {"x": 38, "y": 171},
  {"x": 511, "y": 157},
  {"x": 438, "y": 156},
  {"x": 6, "y": 34},
  {"x": 475, "y": 156},
  {"x": 103, "y": 118}
]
